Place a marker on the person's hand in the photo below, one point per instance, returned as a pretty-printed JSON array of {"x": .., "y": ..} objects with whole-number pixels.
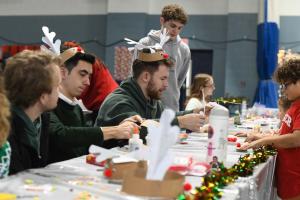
[
  {"x": 240, "y": 134},
  {"x": 254, "y": 145},
  {"x": 125, "y": 130},
  {"x": 253, "y": 136},
  {"x": 136, "y": 119},
  {"x": 204, "y": 128},
  {"x": 208, "y": 108},
  {"x": 191, "y": 121}
]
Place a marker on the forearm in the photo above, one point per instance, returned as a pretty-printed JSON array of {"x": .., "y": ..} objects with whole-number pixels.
[
  {"x": 76, "y": 136},
  {"x": 110, "y": 132},
  {"x": 283, "y": 141}
]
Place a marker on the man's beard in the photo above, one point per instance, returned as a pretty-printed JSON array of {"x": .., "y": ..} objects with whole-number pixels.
[{"x": 152, "y": 92}]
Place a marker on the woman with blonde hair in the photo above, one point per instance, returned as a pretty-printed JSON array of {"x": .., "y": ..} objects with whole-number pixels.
[
  {"x": 201, "y": 90},
  {"x": 5, "y": 150}
]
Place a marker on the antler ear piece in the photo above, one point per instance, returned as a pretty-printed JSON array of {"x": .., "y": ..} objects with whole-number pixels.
[{"x": 48, "y": 39}]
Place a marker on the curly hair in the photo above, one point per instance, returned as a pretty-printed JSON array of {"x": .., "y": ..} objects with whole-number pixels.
[
  {"x": 4, "y": 114},
  {"x": 289, "y": 72},
  {"x": 28, "y": 75},
  {"x": 174, "y": 12}
]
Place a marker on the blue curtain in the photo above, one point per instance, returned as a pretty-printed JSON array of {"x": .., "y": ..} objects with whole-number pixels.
[{"x": 267, "y": 49}]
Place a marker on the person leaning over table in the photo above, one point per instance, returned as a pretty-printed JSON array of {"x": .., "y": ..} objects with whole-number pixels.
[
  {"x": 288, "y": 140},
  {"x": 31, "y": 80},
  {"x": 141, "y": 93},
  {"x": 70, "y": 136},
  {"x": 101, "y": 85}
]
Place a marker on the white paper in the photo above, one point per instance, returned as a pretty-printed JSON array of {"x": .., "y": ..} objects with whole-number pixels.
[
  {"x": 101, "y": 153},
  {"x": 162, "y": 137}
]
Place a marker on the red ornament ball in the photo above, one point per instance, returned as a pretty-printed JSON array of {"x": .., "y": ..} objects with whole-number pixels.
[
  {"x": 107, "y": 173},
  {"x": 187, "y": 187}
]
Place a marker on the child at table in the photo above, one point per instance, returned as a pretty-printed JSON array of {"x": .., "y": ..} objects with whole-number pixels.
[
  {"x": 5, "y": 150},
  {"x": 288, "y": 140}
]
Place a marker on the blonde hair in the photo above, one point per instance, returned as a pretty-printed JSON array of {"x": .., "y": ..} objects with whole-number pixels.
[{"x": 4, "y": 114}]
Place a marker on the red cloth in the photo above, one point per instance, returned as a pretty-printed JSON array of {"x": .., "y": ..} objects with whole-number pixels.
[
  {"x": 101, "y": 85},
  {"x": 288, "y": 160}
]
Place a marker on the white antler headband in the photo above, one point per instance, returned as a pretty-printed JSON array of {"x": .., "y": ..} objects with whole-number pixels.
[
  {"x": 48, "y": 39},
  {"x": 54, "y": 47},
  {"x": 153, "y": 49}
]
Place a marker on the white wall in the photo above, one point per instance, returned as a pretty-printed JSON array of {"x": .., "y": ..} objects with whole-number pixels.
[
  {"x": 52, "y": 7},
  {"x": 93, "y": 7},
  {"x": 242, "y": 6},
  {"x": 289, "y": 7}
]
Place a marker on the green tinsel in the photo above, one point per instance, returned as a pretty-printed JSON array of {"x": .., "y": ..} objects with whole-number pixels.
[{"x": 212, "y": 183}]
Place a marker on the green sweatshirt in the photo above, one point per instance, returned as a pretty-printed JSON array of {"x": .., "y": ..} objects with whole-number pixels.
[
  {"x": 126, "y": 101},
  {"x": 69, "y": 135}
]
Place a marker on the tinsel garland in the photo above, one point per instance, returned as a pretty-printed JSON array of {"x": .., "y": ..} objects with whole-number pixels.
[
  {"x": 230, "y": 100},
  {"x": 212, "y": 183}
]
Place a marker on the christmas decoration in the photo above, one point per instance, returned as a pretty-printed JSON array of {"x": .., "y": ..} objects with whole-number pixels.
[
  {"x": 107, "y": 173},
  {"x": 212, "y": 184}
]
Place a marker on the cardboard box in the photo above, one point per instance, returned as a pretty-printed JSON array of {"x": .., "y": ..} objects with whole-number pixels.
[{"x": 135, "y": 183}]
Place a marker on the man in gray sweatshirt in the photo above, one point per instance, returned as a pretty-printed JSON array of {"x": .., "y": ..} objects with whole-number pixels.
[{"x": 173, "y": 18}]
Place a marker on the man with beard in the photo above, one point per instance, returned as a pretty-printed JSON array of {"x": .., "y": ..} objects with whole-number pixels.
[
  {"x": 140, "y": 95},
  {"x": 70, "y": 136}
]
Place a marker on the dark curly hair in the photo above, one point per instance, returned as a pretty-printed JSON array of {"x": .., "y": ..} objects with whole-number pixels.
[
  {"x": 174, "y": 12},
  {"x": 289, "y": 72}
]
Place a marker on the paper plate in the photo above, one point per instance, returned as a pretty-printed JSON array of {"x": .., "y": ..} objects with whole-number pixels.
[{"x": 199, "y": 169}]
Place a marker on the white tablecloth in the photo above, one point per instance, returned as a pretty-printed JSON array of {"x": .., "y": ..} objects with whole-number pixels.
[{"x": 68, "y": 179}]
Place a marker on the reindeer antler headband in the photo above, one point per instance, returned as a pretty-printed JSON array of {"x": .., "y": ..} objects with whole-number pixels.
[
  {"x": 54, "y": 47},
  {"x": 156, "y": 51}
]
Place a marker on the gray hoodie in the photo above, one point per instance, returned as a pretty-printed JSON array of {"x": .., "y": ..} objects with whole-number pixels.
[{"x": 180, "y": 53}]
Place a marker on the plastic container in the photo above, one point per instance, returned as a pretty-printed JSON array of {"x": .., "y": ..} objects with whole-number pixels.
[
  {"x": 135, "y": 142},
  {"x": 244, "y": 109},
  {"x": 217, "y": 134}
]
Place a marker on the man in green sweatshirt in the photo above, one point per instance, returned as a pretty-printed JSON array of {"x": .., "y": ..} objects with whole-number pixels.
[
  {"x": 140, "y": 95},
  {"x": 70, "y": 136}
]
